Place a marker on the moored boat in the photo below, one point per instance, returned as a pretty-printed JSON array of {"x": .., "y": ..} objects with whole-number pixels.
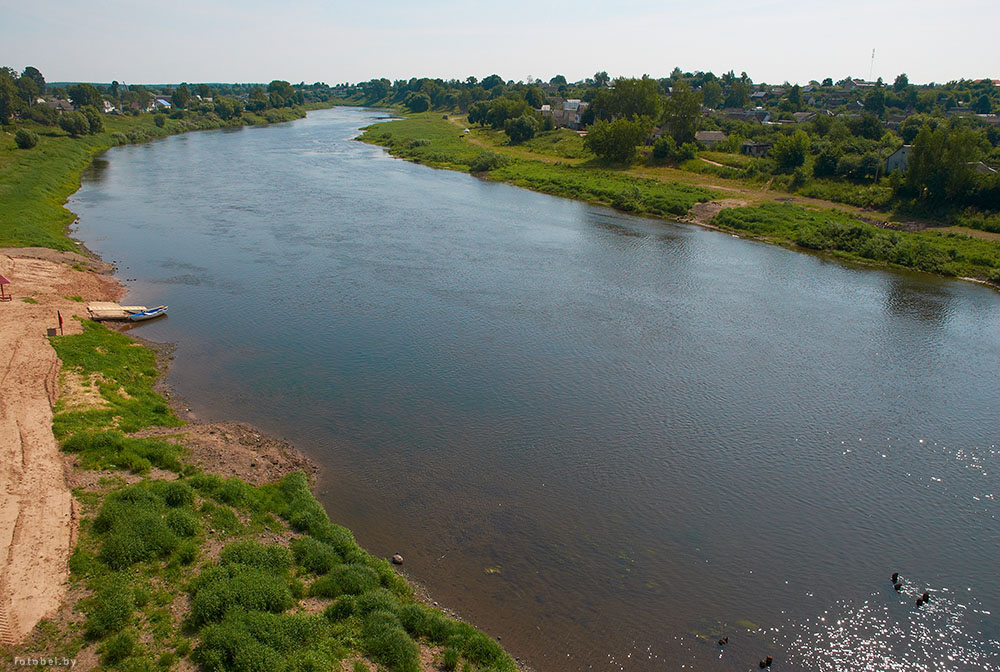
[{"x": 147, "y": 314}]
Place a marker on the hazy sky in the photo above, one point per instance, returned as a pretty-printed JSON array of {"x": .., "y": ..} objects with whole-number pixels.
[{"x": 307, "y": 40}]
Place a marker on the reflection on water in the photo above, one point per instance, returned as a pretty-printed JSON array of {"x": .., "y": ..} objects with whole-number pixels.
[{"x": 609, "y": 440}]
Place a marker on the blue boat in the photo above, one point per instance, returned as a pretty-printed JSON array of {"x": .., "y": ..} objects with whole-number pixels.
[{"x": 148, "y": 314}]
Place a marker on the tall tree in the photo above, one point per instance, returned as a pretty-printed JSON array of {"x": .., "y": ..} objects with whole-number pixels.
[
  {"x": 616, "y": 141},
  {"x": 712, "y": 93},
  {"x": 629, "y": 98},
  {"x": 941, "y": 164},
  {"x": 902, "y": 81},
  {"x": 875, "y": 102},
  {"x": 738, "y": 95},
  {"x": 82, "y": 95},
  {"x": 10, "y": 102},
  {"x": 601, "y": 78},
  {"x": 682, "y": 113},
  {"x": 32, "y": 73},
  {"x": 180, "y": 97},
  {"x": 795, "y": 97}
]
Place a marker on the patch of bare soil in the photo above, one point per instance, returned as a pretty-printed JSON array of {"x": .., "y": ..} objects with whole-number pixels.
[{"x": 702, "y": 213}]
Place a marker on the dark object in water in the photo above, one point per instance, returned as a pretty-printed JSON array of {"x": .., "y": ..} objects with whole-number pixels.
[
  {"x": 397, "y": 559},
  {"x": 724, "y": 641},
  {"x": 926, "y": 596},
  {"x": 895, "y": 577},
  {"x": 898, "y": 586},
  {"x": 766, "y": 662}
]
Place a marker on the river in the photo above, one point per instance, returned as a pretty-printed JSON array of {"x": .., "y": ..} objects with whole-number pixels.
[{"x": 607, "y": 440}]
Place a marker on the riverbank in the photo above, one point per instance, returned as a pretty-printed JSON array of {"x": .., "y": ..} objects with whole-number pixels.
[
  {"x": 163, "y": 540},
  {"x": 35, "y": 183},
  {"x": 140, "y": 509},
  {"x": 556, "y": 163}
]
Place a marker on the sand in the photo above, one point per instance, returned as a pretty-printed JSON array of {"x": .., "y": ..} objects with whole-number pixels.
[{"x": 37, "y": 523}]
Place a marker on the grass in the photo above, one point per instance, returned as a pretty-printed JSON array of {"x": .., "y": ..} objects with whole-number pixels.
[
  {"x": 950, "y": 253},
  {"x": 545, "y": 163}
]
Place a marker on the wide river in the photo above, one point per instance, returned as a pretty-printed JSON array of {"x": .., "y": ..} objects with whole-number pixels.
[{"x": 607, "y": 440}]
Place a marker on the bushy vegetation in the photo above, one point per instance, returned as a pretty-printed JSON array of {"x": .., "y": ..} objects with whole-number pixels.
[
  {"x": 934, "y": 251},
  {"x": 25, "y": 139}
]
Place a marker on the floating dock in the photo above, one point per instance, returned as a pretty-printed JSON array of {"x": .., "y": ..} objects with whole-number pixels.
[{"x": 105, "y": 310}]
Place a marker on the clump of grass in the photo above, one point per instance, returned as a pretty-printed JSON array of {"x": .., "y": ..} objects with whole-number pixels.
[
  {"x": 117, "y": 648},
  {"x": 223, "y": 588},
  {"x": 387, "y": 643},
  {"x": 314, "y": 556},
  {"x": 126, "y": 373},
  {"x": 110, "y": 610},
  {"x": 111, "y": 449},
  {"x": 28, "y": 299},
  {"x": 349, "y": 579}
]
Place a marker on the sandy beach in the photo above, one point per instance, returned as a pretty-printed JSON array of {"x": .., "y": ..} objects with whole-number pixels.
[{"x": 37, "y": 522}]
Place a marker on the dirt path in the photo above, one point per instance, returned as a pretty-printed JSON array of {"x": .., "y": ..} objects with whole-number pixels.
[{"x": 37, "y": 523}]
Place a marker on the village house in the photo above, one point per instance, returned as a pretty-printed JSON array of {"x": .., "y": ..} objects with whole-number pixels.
[
  {"x": 710, "y": 138},
  {"x": 108, "y": 107},
  {"x": 162, "y": 102},
  {"x": 801, "y": 117},
  {"x": 757, "y": 149},
  {"x": 569, "y": 116},
  {"x": 59, "y": 105},
  {"x": 898, "y": 160}
]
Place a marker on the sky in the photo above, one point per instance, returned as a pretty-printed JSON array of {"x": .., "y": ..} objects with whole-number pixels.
[{"x": 309, "y": 40}]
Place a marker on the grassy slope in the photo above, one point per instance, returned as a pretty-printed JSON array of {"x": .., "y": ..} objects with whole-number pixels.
[
  {"x": 35, "y": 183},
  {"x": 557, "y": 163},
  {"x": 225, "y": 574}
]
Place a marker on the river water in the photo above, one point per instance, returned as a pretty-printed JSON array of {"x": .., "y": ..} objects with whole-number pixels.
[{"x": 607, "y": 440}]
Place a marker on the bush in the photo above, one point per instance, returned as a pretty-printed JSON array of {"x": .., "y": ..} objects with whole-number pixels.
[
  {"x": 94, "y": 120},
  {"x": 314, "y": 556},
  {"x": 664, "y": 148},
  {"x": 221, "y": 589},
  {"x": 351, "y": 579},
  {"x": 160, "y": 120},
  {"x": 110, "y": 611},
  {"x": 384, "y": 640},
  {"x": 74, "y": 123},
  {"x": 25, "y": 139},
  {"x": 118, "y": 648},
  {"x": 275, "y": 559},
  {"x": 522, "y": 128},
  {"x": 487, "y": 161}
]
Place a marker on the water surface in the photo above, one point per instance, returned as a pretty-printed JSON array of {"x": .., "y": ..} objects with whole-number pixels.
[{"x": 605, "y": 439}]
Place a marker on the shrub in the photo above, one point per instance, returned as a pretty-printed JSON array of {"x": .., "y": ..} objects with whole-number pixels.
[
  {"x": 25, "y": 139},
  {"x": 664, "y": 148},
  {"x": 94, "y": 120},
  {"x": 74, "y": 123},
  {"x": 351, "y": 579},
  {"x": 221, "y": 589},
  {"x": 160, "y": 120},
  {"x": 314, "y": 556},
  {"x": 273, "y": 558},
  {"x": 110, "y": 611},
  {"x": 522, "y": 128},
  {"x": 385, "y": 641},
  {"x": 118, "y": 648},
  {"x": 487, "y": 161}
]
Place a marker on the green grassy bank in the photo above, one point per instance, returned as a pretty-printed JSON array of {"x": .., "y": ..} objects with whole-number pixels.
[
  {"x": 429, "y": 139},
  {"x": 35, "y": 183},
  {"x": 943, "y": 252},
  {"x": 175, "y": 567},
  {"x": 556, "y": 162}
]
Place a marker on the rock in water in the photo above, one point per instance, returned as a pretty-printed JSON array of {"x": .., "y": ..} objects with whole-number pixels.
[{"x": 397, "y": 559}]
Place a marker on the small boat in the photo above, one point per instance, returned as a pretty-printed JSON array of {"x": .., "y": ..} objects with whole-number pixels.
[{"x": 147, "y": 314}]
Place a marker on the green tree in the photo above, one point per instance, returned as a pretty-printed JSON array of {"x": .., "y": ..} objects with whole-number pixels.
[
  {"x": 712, "y": 93},
  {"x": 827, "y": 81},
  {"x": 502, "y": 109},
  {"x": 902, "y": 81},
  {"x": 868, "y": 125},
  {"x": 74, "y": 123},
  {"x": 630, "y": 97},
  {"x": 617, "y": 141},
  {"x": 32, "y": 73},
  {"x": 202, "y": 90},
  {"x": 941, "y": 163},
  {"x": 418, "y": 102},
  {"x": 601, "y": 78},
  {"x": 983, "y": 105},
  {"x": 477, "y": 112},
  {"x": 738, "y": 94},
  {"x": 795, "y": 98},
  {"x": 257, "y": 101},
  {"x": 10, "y": 102},
  {"x": 535, "y": 96},
  {"x": 27, "y": 90},
  {"x": 180, "y": 97},
  {"x": 521, "y": 129},
  {"x": 82, "y": 95},
  {"x": 875, "y": 102},
  {"x": 682, "y": 113},
  {"x": 25, "y": 139},
  {"x": 789, "y": 151},
  {"x": 492, "y": 82},
  {"x": 95, "y": 122},
  {"x": 558, "y": 80}
]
